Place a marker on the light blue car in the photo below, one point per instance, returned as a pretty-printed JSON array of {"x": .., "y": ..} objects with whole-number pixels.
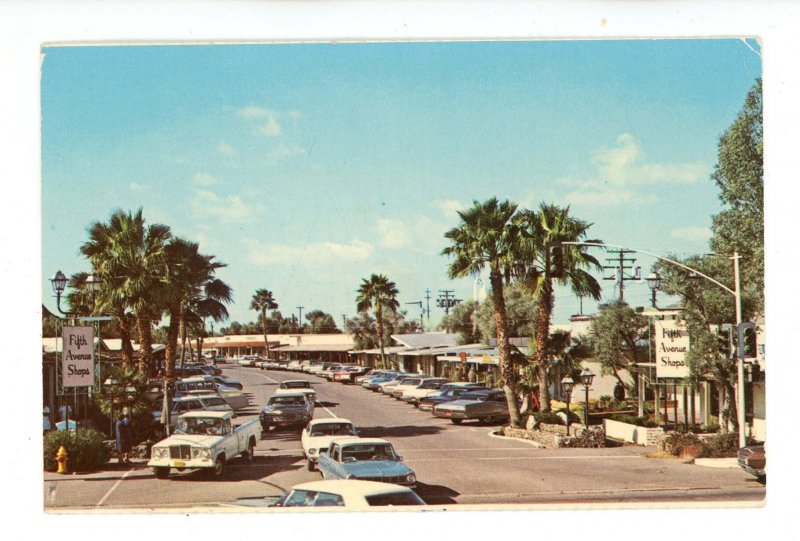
[{"x": 365, "y": 459}]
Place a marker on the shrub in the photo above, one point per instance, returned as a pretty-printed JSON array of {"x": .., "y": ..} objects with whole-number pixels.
[
  {"x": 85, "y": 449},
  {"x": 721, "y": 445},
  {"x": 573, "y": 417},
  {"x": 633, "y": 420},
  {"x": 675, "y": 442},
  {"x": 593, "y": 438},
  {"x": 547, "y": 417}
]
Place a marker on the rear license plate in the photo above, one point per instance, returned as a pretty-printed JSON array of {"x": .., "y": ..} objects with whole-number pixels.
[{"x": 179, "y": 464}]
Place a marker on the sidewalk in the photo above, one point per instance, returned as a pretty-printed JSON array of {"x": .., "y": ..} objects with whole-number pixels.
[{"x": 110, "y": 470}]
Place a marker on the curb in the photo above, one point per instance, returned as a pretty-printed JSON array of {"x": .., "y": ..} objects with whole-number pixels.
[
  {"x": 717, "y": 462},
  {"x": 536, "y": 444}
]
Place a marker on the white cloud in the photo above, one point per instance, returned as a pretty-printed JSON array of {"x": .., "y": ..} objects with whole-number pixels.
[
  {"x": 267, "y": 120},
  {"x": 394, "y": 233},
  {"x": 621, "y": 169},
  {"x": 449, "y": 207},
  {"x": 226, "y": 149},
  {"x": 691, "y": 233},
  {"x": 136, "y": 187},
  {"x": 284, "y": 151},
  {"x": 227, "y": 209},
  {"x": 624, "y": 164},
  {"x": 356, "y": 251},
  {"x": 204, "y": 179}
]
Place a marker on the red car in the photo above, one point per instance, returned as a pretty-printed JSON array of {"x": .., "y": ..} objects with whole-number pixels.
[{"x": 753, "y": 460}]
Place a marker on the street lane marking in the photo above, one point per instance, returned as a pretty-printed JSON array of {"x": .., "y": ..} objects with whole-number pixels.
[{"x": 112, "y": 489}]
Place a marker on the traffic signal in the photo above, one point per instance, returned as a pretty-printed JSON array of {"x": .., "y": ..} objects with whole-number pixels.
[
  {"x": 556, "y": 256},
  {"x": 725, "y": 340},
  {"x": 748, "y": 345}
]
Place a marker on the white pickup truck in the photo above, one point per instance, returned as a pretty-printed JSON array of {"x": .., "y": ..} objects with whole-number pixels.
[{"x": 204, "y": 440}]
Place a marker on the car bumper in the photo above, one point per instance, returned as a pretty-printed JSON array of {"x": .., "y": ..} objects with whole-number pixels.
[
  {"x": 181, "y": 463},
  {"x": 450, "y": 414}
]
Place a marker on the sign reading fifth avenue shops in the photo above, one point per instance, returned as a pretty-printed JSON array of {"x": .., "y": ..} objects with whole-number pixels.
[
  {"x": 672, "y": 345},
  {"x": 77, "y": 364}
]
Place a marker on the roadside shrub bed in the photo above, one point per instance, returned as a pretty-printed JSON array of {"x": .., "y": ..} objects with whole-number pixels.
[
  {"x": 592, "y": 438},
  {"x": 633, "y": 420},
  {"x": 722, "y": 445},
  {"x": 547, "y": 417},
  {"x": 85, "y": 447},
  {"x": 675, "y": 442}
]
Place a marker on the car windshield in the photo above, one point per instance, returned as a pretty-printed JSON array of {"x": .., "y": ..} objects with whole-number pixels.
[
  {"x": 371, "y": 451},
  {"x": 295, "y": 385},
  {"x": 214, "y": 401},
  {"x": 395, "y": 498},
  {"x": 286, "y": 400},
  {"x": 411, "y": 382},
  {"x": 478, "y": 397},
  {"x": 199, "y": 425},
  {"x": 332, "y": 429}
]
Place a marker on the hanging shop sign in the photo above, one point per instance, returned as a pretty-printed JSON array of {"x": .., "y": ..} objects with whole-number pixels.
[
  {"x": 77, "y": 363},
  {"x": 672, "y": 345}
]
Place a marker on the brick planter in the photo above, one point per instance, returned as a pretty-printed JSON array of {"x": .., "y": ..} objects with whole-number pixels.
[{"x": 629, "y": 433}]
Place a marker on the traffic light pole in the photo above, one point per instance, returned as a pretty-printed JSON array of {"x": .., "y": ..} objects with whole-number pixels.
[{"x": 736, "y": 292}]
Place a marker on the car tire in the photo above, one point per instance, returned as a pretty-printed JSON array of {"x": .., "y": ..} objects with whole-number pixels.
[
  {"x": 310, "y": 466},
  {"x": 456, "y": 421},
  {"x": 218, "y": 469},
  {"x": 161, "y": 472},
  {"x": 249, "y": 453}
]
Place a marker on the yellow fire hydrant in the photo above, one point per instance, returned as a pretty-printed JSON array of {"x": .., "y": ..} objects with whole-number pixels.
[{"x": 61, "y": 458}]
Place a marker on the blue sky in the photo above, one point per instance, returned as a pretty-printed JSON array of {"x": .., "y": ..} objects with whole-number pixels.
[{"x": 306, "y": 167}]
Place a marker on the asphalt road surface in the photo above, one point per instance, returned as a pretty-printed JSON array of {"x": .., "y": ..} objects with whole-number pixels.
[{"x": 455, "y": 465}]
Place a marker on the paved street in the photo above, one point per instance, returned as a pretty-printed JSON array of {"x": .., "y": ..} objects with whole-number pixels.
[{"x": 454, "y": 464}]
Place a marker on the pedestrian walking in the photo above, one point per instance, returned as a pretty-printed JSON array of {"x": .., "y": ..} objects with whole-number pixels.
[{"x": 123, "y": 437}]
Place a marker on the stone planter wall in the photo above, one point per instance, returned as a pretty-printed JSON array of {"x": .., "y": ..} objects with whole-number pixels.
[
  {"x": 633, "y": 434},
  {"x": 550, "y": 436}
]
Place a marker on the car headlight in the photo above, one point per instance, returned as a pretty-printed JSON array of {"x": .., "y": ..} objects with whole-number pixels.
[
  {"x": 312, "y": 452},
  {"x": 411, "y": 478},
  {"x": 201, "y": 452},
  {"x": 160, "y": 452},
  {"x": 276, "y": 412}
]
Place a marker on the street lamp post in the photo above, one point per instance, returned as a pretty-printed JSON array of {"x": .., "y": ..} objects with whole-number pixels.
[
  {"x": 586, "y": 378},
  {"x": 566, "y": 386},
  {"x": 654, "y": 283}
]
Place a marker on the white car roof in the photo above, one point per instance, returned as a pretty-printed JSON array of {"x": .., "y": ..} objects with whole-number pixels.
[
  {"x": 367, "y": 441},
  {"x": 351, "y": 487},
  {"x": 288, "y": 392},
  {"x": 296, "y": 381},
  {"x": 220, "y": 414},
  {"x": 326, "y": 420}
]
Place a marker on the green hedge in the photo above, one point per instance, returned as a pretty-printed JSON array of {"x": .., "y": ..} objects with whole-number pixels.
[
  {"x": 85, "y": 449},
  {"x": 633, "y": 420}
]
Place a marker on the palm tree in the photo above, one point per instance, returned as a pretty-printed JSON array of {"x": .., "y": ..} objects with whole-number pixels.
[
  {"x": 487, "y": 237},
  {"x": 190, "y": 290},
  {"x": 261, "y": 302},
  {"x": 378, "y": 294},
  {"x": 540, "y": 269},
  {"x": 129, "y": 257}
]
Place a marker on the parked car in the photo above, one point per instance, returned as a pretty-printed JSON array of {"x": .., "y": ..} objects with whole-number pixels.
[
  {"x": 206, "y": 440},
  {"x": 374, "y": 373},
  {"x": 183, "y": 404},
  {"x": 445, "y": 395},
  {"x": 210, "y": 370},
  {"x": 426, "y": 387},
  {"x": 320, "y": 433},
  {"x": 292, "y": 409},
  {"x": 349, "y": 374},
  {"x": 353, "y": 495},
  {"x": 206, "y": 384},
  {"x": 293, "y": 366},
  {"x": 753, "y": 460},
  {"x": 332, "y": 369},
  {"x": 220, "y": 359},
  {"x": 315, "y": 369},
  {"x": 410, "y": 383},
  {"x": 230, "y": 383},
  {"x": 485, "y": 406},
  {"x": 248, "y": 360},
  {"x": 291, "y": 386},
  {"x": 387, "y": 386},
  {"x": 366, "y": 459},
  {"x": 373, "y": 384}
]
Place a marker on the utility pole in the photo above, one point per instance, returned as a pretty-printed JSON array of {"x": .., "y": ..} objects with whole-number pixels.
[
  {"x": 428, "y": 304},
  {"x": 300, "y": 317},
  {"x": 619, "y": 267},
  {"x": 447, "y": 300},
  {"x": 344, "y": 321}
]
